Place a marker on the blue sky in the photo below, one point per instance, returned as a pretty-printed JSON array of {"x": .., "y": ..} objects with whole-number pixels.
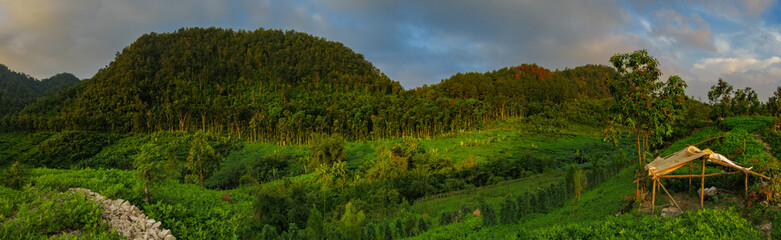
[{"x": 422, "y": 42}]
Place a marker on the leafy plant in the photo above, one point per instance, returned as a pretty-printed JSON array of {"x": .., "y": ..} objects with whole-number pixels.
[
  {"x": 15, "y": 176},
  {"x": 203, "y": 160}
]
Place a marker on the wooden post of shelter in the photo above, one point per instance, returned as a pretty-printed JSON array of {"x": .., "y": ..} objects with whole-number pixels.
[
  {"x": 668, "y": 194},
  {"x": 653, "y": 196},
  {"x": 746, "y": 194},
  {"x": 702, "y": 185}
]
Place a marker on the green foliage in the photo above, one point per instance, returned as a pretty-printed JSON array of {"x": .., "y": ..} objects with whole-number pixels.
[
  {"x": 509, "y": 212},
  {"x": 720, "y": 96},
  {"x": 15, "y": 176},
  {"x": 333, "y": 175},
  {"x": 326, "y": 150},
  {"x": 389, "y": 164},
  {"x": 575, "y": 184},
  {"x": 67, "y": 149},
  {"x": 488, "y": 213},
  {"x": 703, "y": 224},
  {"x": 773, "y": 105},
  {"x": 192, "y": 212},
  {"x": 696, "y": 116},
  {"x": 150, "y": 164},
  {"x": 727, "y": 102},
  {"x": 352, "y": 220},
  {"x": 747, "y": 123},
  {"x": 281, "y": 204},
  {"x": 253, "y": 164},
  {"x": 110, "y": 183},
  {"x": 314, "y": 224},
  {"x": 644, "y": 104},
  {"x": 203, "y": 160},
  {"x": 41, "y": 213},
  {"x": 18, "y": 90}
]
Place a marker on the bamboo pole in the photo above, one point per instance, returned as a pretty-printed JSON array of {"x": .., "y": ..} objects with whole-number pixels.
[
  {"x": 746, "y": 182},
  {"x": 669, "y": 195},
  {"x": 653, "y": 197},
  {"x": 702, "y": 184},
  {"x": 708, "y": 140},
  {"x": 698, "y": 175}
]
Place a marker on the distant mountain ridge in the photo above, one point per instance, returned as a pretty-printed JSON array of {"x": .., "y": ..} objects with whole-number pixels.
[
  {"x": 284, "y": 86},
  {"x": 17, "y": 90}
]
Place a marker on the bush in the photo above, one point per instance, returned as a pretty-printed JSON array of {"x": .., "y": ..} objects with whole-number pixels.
[
  {"x": 41, "y": 213},
  {"x": 68, "y": 148},
  {"x": 256, "y": 166},
  {"x": 509, "y": 212},
  {"x": 192, "y": 212},
  {"x": 15, "y": 176},
  {"x": 703, "y": 224},
  {"x": 488, "y": 214},
  {"x": 326, "y": 150},
  {"x": 111, "y": 183},
  {"x": 747, "y": 123}
]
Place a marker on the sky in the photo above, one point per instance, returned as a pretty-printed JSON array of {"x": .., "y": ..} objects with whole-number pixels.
[{"x": 422, "y": 42}]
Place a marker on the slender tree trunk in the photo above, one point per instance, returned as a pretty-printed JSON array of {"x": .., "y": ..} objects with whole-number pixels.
[{"x": 146, "y": 190}]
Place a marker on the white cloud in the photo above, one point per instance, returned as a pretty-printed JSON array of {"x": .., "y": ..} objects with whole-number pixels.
[{"x": 734, "y": 65}]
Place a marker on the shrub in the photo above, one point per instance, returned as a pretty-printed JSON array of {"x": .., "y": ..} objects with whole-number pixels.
[
  {"x": 488, "y": 214},
  {"x": 703, "y": 224},
  {"x": 111, "y": 183},
  {"x": 326, "y": 149},
  {"x": 256, "y": 167},
  {"x": 509, "y": 212},
  {"x": 15, "y": 176},
  {"x": 41, "y": 213},
  {"x": 68, "y": 148}
]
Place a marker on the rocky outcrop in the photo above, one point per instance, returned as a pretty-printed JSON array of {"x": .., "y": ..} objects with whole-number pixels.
[{"x": 127, "y": 219}]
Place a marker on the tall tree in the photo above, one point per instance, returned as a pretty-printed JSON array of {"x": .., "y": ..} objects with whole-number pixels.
[
  {"x": 202, "y": 160},
  {"x": 643, "y": 103},
  {"x": 149, "y": 164},
  {"x": 773, "y": 105},
  {"x": 720, "y": 96}
]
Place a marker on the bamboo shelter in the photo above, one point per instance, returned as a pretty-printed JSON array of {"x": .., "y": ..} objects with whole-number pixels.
[{"x": 661, "y": 167}]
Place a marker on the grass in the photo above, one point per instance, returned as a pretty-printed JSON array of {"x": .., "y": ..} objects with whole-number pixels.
[
  {"x": 44, "y": 213},
  {"x": 493, "y": 194},
  {"x": 195, "y": 212},
  {"x": 595, "y": 216}
]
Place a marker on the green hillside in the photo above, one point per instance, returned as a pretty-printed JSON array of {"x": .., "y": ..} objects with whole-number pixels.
[
  {"x": 270, "y": 134},
  {"x": 17, "y": 90},
  {"x": 283, "y": 86}
]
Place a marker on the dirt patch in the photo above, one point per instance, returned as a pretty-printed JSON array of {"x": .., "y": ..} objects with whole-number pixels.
[{"x": 767, "y": 146}]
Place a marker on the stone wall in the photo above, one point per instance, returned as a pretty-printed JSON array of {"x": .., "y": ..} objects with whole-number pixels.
[{"x": 127, "y": 219}]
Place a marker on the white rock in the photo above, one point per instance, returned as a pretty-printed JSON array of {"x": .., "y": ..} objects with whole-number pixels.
[{"x": 164, "y": 233}]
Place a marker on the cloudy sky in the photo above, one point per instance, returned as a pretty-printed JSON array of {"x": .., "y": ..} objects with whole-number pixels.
[{"x": 421, "y": 42}]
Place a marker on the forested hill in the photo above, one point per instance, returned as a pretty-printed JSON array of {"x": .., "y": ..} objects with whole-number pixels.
[
  {"x": 18, "y": 89},
  {"x": 284, "y": 86}
]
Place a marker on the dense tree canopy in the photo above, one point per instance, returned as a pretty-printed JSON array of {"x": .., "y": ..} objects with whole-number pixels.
[
  {"x": 18, "y": 90},
  {"x": 282, "y": 86}
]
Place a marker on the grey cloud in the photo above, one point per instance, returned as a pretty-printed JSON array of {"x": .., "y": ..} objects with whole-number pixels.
[
  {"x": 687, "y": 31},
  {"x": 755, "y": 8},
  {"x": 42, "y": 37},
  {"x": 481, "y": 35},
  {"x": 82, "y": 35}
]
